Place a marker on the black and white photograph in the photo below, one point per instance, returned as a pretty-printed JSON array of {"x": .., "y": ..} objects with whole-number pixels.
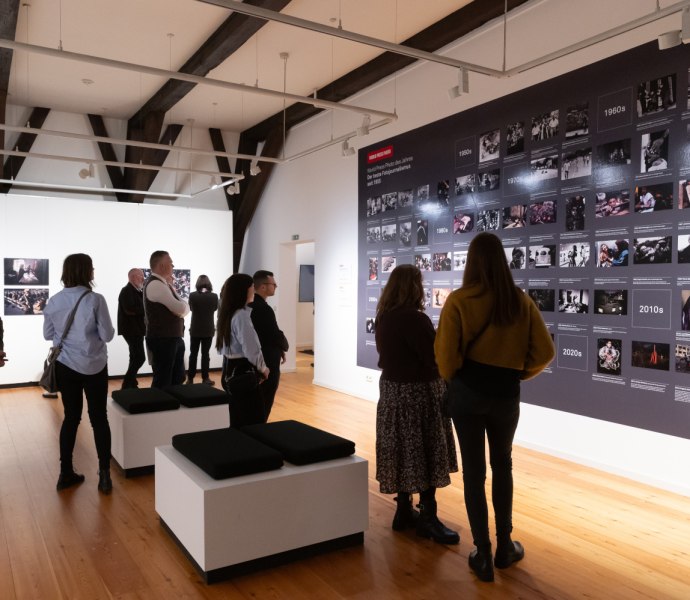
[
  {"x": 612, "y": 204},
  {"x": 544, "y": 168},
  {"x": 389, "y": 232},
  {"x": 575, "y": 213},
  {"x": 656, "y": 95},
  {"x": 489, "y": 145},
  {"x": 683, "y": 194},
  {"x": 459, "y": 260},
  {"x": 610, "y": 302},
  {"x": 463, "y": 222},
  {"x": 373, "y": 234},
  {"x": 405, "y": 198},
  {"x": 422, "y": 232},
  {"x": 442, "y": 261},
  {"x": 465, "y": 184},
  {"x": 427, "y": 297},
  {"x": 389, "y": 201},
  {"x": 388, "y": 263},
  {"x": 405, "y": 232},
  {"x": 655, "y": 250},
  {"x": 612, "y": 253},
  {"x": 577, "y": 121},
  {"x": 545, "y": 299},
  {"x": 25, "y": 301},
  {"x": 614, "y": 154},
  {"x": 370, "y": 326},
  {"x": 181, "y": 281},
  {"x": 576, "y": 163},
  {"x": 423, "y": 195},
  {"x": 443, "y": 192},
  {"x": 439, "y": 295},
  {"x": 682, "y": 358},
  {"x": 574, "y": 254},
  {"x": 373, "y": 268},
  {"x": 573, "y": 301},
  {"x": 650, "y": 355},
  {"x": 545, "y": 126},
  {"x": 422, "y": 262},
  {"x": 654, "y": 151},
  {"x": 683, "y": 249},
  {"x": 542, "y": 256},
  {"x": 542, "y": 213},
  {"x": 26, "y": 271},
  {"x": 516, "y": 257},
  {"x": 488, "y": 220},
  {"x": 515, "y": 138},
  {"x": 514, "y": 216},
  {"x": 609, "y": 356},
  {"x": 373, "y": 206},
  {"x": 489, "y": 181},
  {"x": 653, "y": 197}
]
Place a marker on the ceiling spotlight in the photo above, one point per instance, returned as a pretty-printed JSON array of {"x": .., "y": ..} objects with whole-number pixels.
[
  {"x": 347, "y": 149},
  {"x": 254, "y": 169},
  {"x": 87, "y": 173},
  {"x": 236, "y": 187},
  {"x": 215, "y": 182},
  {"x": 364, "y": 128},
  {"x": 670, "y": 39},
  {"x": 463, "y": 86}
]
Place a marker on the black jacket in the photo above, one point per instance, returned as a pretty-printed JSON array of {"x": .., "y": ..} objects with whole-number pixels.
[
  {"x": 130, "y": 312},
  {"x": 271, "y": 337},
  {"x": 203, "y": 305}
]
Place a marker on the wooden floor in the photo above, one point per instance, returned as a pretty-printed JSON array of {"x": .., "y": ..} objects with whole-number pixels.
[{"x": 587, "y": 534}]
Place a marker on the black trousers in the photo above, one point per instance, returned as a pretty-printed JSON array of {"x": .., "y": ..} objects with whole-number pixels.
[
  {"x": 477, "y": 418},
  {"x": 205, "y": 344},
  {"x": 137, "y": 357},
  {"x": 167, "y": 356},
  {"x": 269, "y": 388},
  {"x": 247, "y": 408},
  {"x": 73, "y": 386}
]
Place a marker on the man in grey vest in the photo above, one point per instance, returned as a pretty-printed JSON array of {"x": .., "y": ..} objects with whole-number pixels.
[{"x": 165, "y": 312}]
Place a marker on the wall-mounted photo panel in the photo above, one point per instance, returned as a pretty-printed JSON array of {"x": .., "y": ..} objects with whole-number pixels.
[
  {"x": 654, "y": 250},
  {"x": 612, "y": 253},
  {"x": 26, "y": 271},
  {"x": 610, "y": 302},
  {"x": 650, "y": 355},
  {"x": 25, "y": 301},
  {"x": 609, "y": 356},
  {"x": 573, "y": 301},
  {"x": 653, "y": 197},
  {"x": 181, "y": 281}
]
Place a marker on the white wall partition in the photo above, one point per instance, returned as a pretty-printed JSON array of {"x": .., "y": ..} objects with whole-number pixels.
[{"x": 117, "y": 236}]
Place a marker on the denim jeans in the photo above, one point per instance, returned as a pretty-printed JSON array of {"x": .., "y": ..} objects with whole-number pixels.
[{"x": 477, "y": 418}]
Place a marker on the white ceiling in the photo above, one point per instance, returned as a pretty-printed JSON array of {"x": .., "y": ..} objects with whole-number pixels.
[{"x": 137, "y": 31}]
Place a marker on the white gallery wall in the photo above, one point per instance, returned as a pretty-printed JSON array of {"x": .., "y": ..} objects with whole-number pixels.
[
  {"x": 316, "y": 198},
  {"x": 117, "y": 236}
]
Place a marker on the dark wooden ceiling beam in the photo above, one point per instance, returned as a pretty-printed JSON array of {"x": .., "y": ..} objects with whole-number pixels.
[
  {"x": 434, "y": 37},
  {"x": 24, "y": 143},
  {"x": 108, "y": 153},
  {"x": 221, "y": 161}
]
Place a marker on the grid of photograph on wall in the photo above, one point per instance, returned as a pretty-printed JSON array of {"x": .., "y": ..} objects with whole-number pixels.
[
  {"x": 586, "y": 179},
  {"x": 26, "y": 286}
]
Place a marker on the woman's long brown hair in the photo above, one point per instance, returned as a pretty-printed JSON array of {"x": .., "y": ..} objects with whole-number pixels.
[{"x": 403, "y": 290}]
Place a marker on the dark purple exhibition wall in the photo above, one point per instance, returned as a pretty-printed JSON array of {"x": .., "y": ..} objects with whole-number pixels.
[{"x": 586, "y": 179}]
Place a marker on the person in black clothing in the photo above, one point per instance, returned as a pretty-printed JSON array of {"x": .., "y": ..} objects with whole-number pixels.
[
  {"x": 274, "y": 345},
  {"x": 203, "y": 304},
  {"x": 2, "y": 347},
  {"x": 130, "y": 325}
]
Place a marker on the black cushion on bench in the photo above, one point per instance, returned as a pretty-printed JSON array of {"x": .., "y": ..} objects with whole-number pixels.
[
  {"x": 145, "y": 400},
  {"x": 228, "y": 452},
  {"x": 197, "y": 394},
  {"x": 301, "y": 444}
]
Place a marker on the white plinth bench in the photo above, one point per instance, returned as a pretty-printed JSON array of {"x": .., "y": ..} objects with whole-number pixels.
[
  {"x": 135, "y": 436},
  {"x": 234, "y": 526}
]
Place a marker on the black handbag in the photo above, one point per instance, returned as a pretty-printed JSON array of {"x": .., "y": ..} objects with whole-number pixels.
[
  {"x": 240, "y": 378},
  {"x": 48, "y": 379}
]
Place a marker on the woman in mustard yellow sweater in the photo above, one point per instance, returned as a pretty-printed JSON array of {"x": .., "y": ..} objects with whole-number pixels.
[{"x": 490, "y": 337}]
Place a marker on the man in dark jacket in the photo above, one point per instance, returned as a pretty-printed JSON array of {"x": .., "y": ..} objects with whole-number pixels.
[
  {"x": 2, "y": 347},
  {"x": 273, "y": 342},
  {"x": 130, "y": 324}
]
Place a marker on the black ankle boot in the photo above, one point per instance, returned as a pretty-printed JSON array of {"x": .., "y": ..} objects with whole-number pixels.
[
  {"x": 428, "y": 526},
  {"x": 480, "y": 563},
  {"x": 68, "y": 479},
  {"x": 105, "y": 484},
  {"x": 507, "y": 554},
  {"x": 405, "y": 516}
]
